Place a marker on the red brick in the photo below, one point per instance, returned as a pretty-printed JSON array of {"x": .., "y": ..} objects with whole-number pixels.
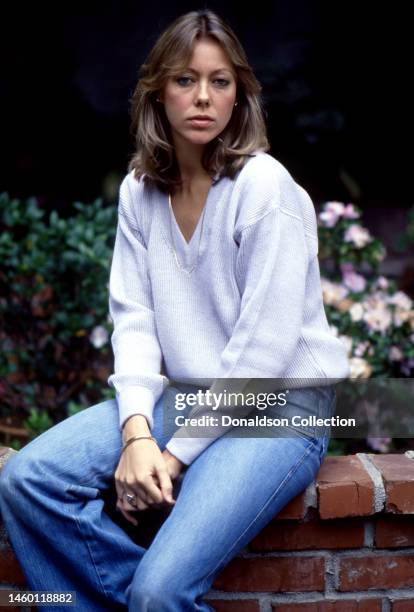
[
  {"x": 234, "y": 605},
  {"x": 398, "y": 475},
  {"x": 295, "y": 509},
  {"x": 394, "y": 532},
  {"x": 365, "y": 605},
  {"x": 376, "y": 572},
  {"x": 344, "y": 488},
  {"x": 10, "y": 571},
  {"x": 274, "y": 574},
  {"x": 403, "y": 605},
  {"x": 348, "y": 533}
]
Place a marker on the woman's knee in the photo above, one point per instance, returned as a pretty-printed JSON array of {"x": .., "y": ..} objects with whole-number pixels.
[
  {"x": 15, "y": 476},
  {"x": 156, "y": 590},
  {"x": 153, "y": 595},
  {"x": 52, "y": 456}
]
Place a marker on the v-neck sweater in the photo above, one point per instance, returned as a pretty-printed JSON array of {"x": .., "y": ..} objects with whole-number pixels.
[{"x": 251, "y": 309}]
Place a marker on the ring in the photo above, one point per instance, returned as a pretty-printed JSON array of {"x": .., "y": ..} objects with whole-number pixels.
[{"x": 131, "y": 499}]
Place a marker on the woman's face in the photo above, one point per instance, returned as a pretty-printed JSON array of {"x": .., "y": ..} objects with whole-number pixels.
[{"x": 206, "y": 87}]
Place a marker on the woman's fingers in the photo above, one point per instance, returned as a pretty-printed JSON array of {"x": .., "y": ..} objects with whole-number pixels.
[
  {"x": 142, "y": 500},
  {"x": 154, "y": 493},
  {"x": 126, "y": 514},
  {"x": 144, "y": 476},
  {"x": 165, "y": 484},
  {"x": 139, "y": 502}
]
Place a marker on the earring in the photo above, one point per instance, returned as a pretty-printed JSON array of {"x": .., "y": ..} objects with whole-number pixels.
[{"x": 236, "y": 104}]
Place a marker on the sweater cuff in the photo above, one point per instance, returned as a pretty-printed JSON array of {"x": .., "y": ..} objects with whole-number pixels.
[
  {"x": 188, "y": 449},
  {"x": 135, "y": 400}
]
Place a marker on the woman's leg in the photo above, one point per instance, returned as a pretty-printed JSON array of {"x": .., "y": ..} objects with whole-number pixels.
[
  {"x": 228, "y": 494},
  {"x": 51, "y": 504}
]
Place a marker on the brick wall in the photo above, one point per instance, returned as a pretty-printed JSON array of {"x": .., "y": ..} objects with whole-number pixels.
[{"x": 346, "y": 544}]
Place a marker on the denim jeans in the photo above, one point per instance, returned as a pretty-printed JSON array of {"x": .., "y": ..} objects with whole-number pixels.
[{"x": 51, "y": 501}]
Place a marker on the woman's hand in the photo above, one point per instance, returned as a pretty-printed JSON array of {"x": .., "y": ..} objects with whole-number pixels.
[
  {"x": 145, "y": 472},
  {"x": 174, "y": 465}
]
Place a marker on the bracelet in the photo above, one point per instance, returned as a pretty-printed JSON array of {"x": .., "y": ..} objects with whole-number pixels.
[
  {"x": 130, "y": 440},
  {"x": 130, "y": 417}
]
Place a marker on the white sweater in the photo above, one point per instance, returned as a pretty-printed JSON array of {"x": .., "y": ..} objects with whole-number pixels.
[{"x": 252, "y": 308}]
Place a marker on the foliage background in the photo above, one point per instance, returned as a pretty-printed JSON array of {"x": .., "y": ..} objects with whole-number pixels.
[{"x": 55, "y": 354}]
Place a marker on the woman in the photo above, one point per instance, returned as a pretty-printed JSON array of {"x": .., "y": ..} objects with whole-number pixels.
[{"x": 214, "y": 283}]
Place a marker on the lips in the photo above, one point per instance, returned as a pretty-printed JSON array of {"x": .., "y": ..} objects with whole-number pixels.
[{"x": 201, "y": 122}]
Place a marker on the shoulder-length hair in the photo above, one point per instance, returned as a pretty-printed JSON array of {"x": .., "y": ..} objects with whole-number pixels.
[{"x": 154, "y": 158}]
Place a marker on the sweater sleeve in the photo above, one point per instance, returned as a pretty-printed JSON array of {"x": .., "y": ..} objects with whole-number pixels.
[
  {"x": 271, "y": 268},
  {"x": 137, "y": 377}
]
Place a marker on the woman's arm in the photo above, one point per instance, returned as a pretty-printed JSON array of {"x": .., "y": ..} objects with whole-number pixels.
[
  {"x": 143, "y": 470},
  {"x": 137, "y": 376}
]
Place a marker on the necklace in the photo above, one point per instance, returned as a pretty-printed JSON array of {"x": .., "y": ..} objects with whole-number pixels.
[{"x": 177, "y": 261}]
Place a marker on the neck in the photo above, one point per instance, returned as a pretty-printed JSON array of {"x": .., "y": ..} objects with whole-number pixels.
[{"x": 188, "y": 158}]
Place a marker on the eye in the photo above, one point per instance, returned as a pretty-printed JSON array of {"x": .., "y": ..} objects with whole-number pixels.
[
  {"x": 183, "y": 79},
  {"x": 223, "y": 82}
]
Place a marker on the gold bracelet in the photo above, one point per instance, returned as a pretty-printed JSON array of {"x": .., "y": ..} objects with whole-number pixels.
[
  {"x": 130, "y": 417},
  {"x": 130, "y": 440}
]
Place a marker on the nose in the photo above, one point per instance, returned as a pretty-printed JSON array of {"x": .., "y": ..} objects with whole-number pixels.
[{"x": 202, "y": 94}]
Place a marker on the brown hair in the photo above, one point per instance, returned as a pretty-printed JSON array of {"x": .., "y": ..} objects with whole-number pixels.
[{"x": 245, "y": 133}]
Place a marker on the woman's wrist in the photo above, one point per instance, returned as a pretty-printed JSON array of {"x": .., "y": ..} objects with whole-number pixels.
[
  {"x": 134, "y": 425},
  {"x": 174, "y": 458}
]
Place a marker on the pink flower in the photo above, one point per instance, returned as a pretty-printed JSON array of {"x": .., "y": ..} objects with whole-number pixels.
[
  {"x": 358, "y": 235},
  {"x": 359, "y": 367},
  {"x": 99, "y": 336},
  {"x": 380, "y": 444},
  {"x": 395, "y": 353},
  {"x": 354, "y": 282},
  {"x": 378, "y": 318},
  {"x": 349, "y": 212},
  {"x": 336, "y": 207},
  {"x": 334, "y": 210},
  {"x": 382, "y": 282},
  {"x": 347, "y": 267},
  {"x": 401, "y": 300},
  {"x": 331, "y": 213},
  {"x": 406, "y": 366},
  {"x": 333, "y": 292},
  {"x": 328, "y": 218},
  {"x": 356, "y": 311},
  {"x": 361, "y": 348}
]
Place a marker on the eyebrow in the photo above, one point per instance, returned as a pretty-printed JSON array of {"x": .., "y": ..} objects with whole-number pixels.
[{"x": 213, "y": 71}]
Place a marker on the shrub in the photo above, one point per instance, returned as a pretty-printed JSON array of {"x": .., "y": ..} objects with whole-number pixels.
[
  {"x": 54, "y": 324},
  {"x": 366, "y": 311}
]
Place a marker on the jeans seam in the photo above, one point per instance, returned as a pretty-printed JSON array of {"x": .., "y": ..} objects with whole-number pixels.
[
  {"x": 90, "y": 554},
  {"x": 288, "y": 476}
]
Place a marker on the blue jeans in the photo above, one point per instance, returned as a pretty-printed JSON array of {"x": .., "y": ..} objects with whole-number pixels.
[{"x": 52, "y": 506}]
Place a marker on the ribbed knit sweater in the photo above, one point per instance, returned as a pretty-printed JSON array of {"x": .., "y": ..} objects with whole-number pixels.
[{"x": 251, "y": 308}]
